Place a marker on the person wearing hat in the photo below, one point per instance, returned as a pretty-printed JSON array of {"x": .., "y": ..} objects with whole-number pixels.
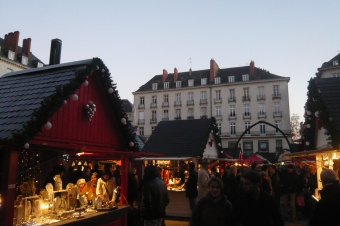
[
  {"x": 191, "y": 186},
  {"x": 289, "y": 181},
  {"x": 106, "y": 186},
  {"x": 203, "y": 178}
]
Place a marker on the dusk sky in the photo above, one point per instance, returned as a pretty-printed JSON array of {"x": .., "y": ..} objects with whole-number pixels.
[{"x": 138, "y": 39}]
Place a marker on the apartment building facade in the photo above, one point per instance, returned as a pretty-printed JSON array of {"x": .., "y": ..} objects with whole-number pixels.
[
  {"x": 237, "y": 97},
  {"x": 14, "y": 57}
]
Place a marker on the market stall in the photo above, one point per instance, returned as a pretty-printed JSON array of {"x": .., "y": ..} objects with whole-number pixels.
[{"x": 52, "y": 116}]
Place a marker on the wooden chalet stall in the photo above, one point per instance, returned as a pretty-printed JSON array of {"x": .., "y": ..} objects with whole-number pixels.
[
  {"x": 181, "y": 141},
  {"x": 54, "y": 113}
]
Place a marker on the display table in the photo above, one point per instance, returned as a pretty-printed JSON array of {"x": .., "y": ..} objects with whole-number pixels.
[
  {"x": 178, "y": 205},
  {"x": 105, "y": 218}
]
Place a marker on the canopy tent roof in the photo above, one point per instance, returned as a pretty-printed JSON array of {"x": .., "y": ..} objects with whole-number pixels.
[{"x": 255, "y": 158}]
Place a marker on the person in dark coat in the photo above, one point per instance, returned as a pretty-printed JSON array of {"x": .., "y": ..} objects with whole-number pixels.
[
  {"x": 191, "y": 186},
  {"x": 328, "y": 208},
  {"x": 155, "y": 197},
  {"x": 276, "y": 184},
  {"x": 290, "y": 183},
  {"x": 214, "y": 208},
  {"x": 254, "y": 206}
]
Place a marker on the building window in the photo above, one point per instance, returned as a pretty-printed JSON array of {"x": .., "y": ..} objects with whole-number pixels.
[
  {"x": 166, "y": 115},
  {"x": 203, "y": 112},
  {"x": 190, "y": 96},
  {"x": 178, "y": 97},
  {"x": 166, "y": 85},
  {"x": 336, "y": 75},
  {"x": 141, "y": 100},
  {"x": 247, "y": 148},
  {"x": 191, "y": 112},
  {"x": 246, "y": 126},
  {"x": 154, "y": 99},
  {"x": 154, "y": 116},
  {"x": 178, "y": 84},
  {"x": 276, "y": 107},
  {"x": 166, "y": 98},
  {"x": 24, "y": 60},
  {"x": 217, "y": 80},
  {"x": 246, "y": 92},
  {"x": 263, "y": 145},
  {"x": 262, "y": 128},
  {"x": 10, "y": 55},
  {"x": 218, "y": 94},
  {"x": 218, "y": 112},
  {"x": 203, "y": 81},
  {"x": 191, "y": 82},
  {"x": 232, "y": 95},
  {"x": 203, "y": 95},
  {"x": 245, "y": 77},
  {"x": 141, "y": 131},
  {"x": 178, "y": 114},
  {"x": 232, "y": 144},
  {"x": 246, "y": 110},
  {"x": 232, "y": 128},
  {"x": 231, "y": 78},
  {"x": 154, "y": 86},
  {"x": 9, "y": 70},
  {"x": 219, "y": 127},
  {"x": 261, "y": 109},
  {"x": 276, "y": 91},
  {"x": 278, "y": 146},
  {"x": 232, "y": 110},
  {"x": 335, "y": 63},
  {"x": 40, "y": 64},
  {"x": 261, "y": 93},
  {"x": 278, "y": 125}
]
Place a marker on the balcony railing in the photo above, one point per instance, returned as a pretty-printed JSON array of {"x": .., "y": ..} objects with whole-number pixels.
[
  {"x": 204, "y": 117},
  {"x": 232, "y": 117},
  {"x": 141, "y": 121},
  {"x": 277, "y": 114},
  {"x": 261, "y": 97},
  {"x": 218, "y": 117},
  {"x": 190, "y": 102},
  {"x": 276, "y": 96},
  {"x": 231, "y": 99},
  {"x": 245, "y": 98},
  {"x": 261, "y": 114},
  {"x": 190, "y": 117},
  {"x": 165, "y": 104},
  {"x": 153, "y": 105},
  {"x": 225, "y": 134},
  {"x": 177, "y": 118},
  {"x": 165, "y": 119},
  {"x": 153, "y": 120},
  {"x": 203, "y": 101},
  {"x": 218, "y": 100},
  {"x": 178, "y": 103},
  {"x": 141, "y": 106},
  {"x": 246, "y": 115}
]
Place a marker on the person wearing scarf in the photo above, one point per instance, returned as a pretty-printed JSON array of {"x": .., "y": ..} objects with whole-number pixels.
[
  {"x": 214, "y": 208},
  {"x": 105, "y": 187}
]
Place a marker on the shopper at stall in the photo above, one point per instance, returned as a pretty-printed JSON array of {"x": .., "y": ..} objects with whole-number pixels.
[
  {"x": 105, "y": 187},
  {"x": 289, "y": 181},
  {"x": 328, "y": 208},
  {"x": 191, "y": 186},
  {"x": 214, "y": 208},
  {"x": 203, "y": 178},
  {"x": 254, "y": 206},
  {"x": 91, "y": 187},
  {"x": 276, "y": 184},
  {"x": 155, "y": 197}
]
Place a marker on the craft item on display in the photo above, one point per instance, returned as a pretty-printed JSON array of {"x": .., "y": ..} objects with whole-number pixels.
[
  {"x": 49, "y": 189},
  {"x": 28, "y": 210},
  {"x": 32, "y": 184},
  {"x": 25, "y": 189},
  {"x": 44, "y": 194},
  {"x": 72, "y": 193},
  {"x": 82, "y": 200},
  {"x": 58, "y": 183},
  {"x": 63, "y": 204}
]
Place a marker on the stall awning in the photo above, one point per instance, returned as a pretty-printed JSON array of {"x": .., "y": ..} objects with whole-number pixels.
[
  {"x": 163, "y": 158},
  {"x": 308, "y": 153}
]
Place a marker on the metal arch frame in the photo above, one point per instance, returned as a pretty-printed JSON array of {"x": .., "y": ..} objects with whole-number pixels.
[{"x": 267, "y": 123}]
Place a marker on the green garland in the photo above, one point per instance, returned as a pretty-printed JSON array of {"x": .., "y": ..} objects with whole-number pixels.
[
  {"x": 213, "y": 127},
  {"x": 51, "y": 104},
  {"x": 314, "y": 104}
]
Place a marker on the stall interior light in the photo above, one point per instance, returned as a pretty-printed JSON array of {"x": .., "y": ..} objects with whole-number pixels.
[
  {"x": 84, "y": 153},
  {"x": 316, "y": 199}
]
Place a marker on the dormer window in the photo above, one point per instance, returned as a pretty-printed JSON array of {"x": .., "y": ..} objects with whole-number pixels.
[
  {"x": 231, "y": 78},
  {"x": 335, "y": 63},
  {"x": 40, "y": 64},
  {"x": 166, "y": 85},
  {"x": 245, "y": 77},
  {"x": 191, "y": 82},
  {"x": 203, "y": 81},
  {"x": 24, "y": 60},
  {"x": 217, "y": 80},
  {"x": 154, "y": 86},
  {"x": 178, "y": 84},
  {"x": 10, "y": 55}
]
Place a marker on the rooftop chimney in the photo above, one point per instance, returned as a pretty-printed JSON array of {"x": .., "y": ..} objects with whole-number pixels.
[
  {"x": 55, "y": 51},
  {"x": 213, "y": 69},
  {"x": 251, "y": 68},
  {"x": 11, "y": 41},
  {"x": 175, "y": 74},
  {"x": 165, "y": 75},
  {"x": 190, "y": 71},
  {"x": 26, "y": 47}
]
